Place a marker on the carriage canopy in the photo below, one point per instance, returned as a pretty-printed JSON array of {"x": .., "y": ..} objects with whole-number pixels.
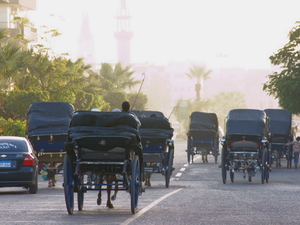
[
  {"x": 156, "y": 127},
  {"x": 246, "y": 122},
  {"x": 279, "y": 121},
  {"x": 203, "y": 123},
  {"x": 49, "y": 118}
]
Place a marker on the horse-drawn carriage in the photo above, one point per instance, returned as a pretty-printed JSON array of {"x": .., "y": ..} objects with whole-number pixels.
[
  {"x": 279, "y": 132},
  {"x": 203, "y": 136},
  {"x": 47, "y": 130},
  {"x": 158, "y": 147},
  {"x": 102, "y": 144},
  {"x": 244, "y": 145}
]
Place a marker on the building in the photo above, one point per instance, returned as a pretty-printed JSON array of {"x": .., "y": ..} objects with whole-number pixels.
[
  {"x": 86, "y": 43},
  {"x": 123, "y": 34},
  {"x": 9, "y": 10}
]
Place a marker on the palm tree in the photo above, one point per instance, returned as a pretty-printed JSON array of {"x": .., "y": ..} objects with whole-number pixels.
[
  {"x": 116, "y": 78},
  {"x": 9, "y": 53},
  {"x": 199, "y": 73}
]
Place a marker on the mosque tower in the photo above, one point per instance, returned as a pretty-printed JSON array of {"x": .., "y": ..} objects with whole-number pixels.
[
  {"x": 86, "y": 43},
  {"x": 123, "y": 34}
]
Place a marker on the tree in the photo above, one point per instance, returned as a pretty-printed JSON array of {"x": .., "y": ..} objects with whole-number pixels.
[
  {"x": 116, "y": 78},
  {"x": 9, "y": 53},
  {"x": 15, "y": 104},
  {"x": 198, "y": 73},
  {"x": 137, "y": 102},
  {"x": 284, "y": 85},
  {"x": 115, "y": 99}
]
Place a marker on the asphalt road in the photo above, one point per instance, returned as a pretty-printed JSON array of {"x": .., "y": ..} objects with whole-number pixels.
[{"x": 196, "y": 195}]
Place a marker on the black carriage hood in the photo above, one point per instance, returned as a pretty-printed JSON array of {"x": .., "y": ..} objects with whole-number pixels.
[
  {"x": 147, "y": 113},
  {"x": 279, "y": 121},
  {"x": 84, "y": 123},
  {"x": 202, "y": 121},
  {"x": 156, "y": 127},
  {"x": 49, "y": 118},
  {"x": 246, "y": 122}
]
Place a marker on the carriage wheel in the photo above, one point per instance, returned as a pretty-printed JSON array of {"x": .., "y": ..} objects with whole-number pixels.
[
  {"x": 223, "y": 165},
  {"x": 80, "y": 198},
  {"x": 231, "y": 176},
  {"x": 68, "y": 184},
  {"x": 264, "y": 166},
  {"x": 189, "y": 141},
  {"x": 134, "y": 184},
  {"x": 188, "y": 156},
  {"x": 216, "y": 150},
  {"x": 192, "y": 157},
  {"x": 289, "y": 157},
  {"x": 169, "y": 167},
  {"x": 216, "y": 156}
]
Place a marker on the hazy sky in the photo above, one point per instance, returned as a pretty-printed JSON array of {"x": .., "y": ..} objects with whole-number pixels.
[{"x": 246, "y": 31}]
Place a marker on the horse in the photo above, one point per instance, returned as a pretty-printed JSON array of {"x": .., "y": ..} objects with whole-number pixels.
[{"x": 109, "y": 179}]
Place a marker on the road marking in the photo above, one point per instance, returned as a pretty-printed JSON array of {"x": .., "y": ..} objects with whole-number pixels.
[
  {"x": 178, "y": 175},
  {"x": 140, "y": 213},
  {"x": 186, "y": 165},
  {"x": 182, "y": 169}
]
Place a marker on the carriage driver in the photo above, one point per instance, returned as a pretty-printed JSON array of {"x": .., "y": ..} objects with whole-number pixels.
[{"x": 126, "y": 108}]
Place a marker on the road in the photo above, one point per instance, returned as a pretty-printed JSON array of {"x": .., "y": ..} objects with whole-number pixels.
[{"x": 196, "y": 195}]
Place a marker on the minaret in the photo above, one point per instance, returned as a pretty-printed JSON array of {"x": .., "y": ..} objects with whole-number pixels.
[
  {"x": 123, "y": 34},
  {"x": 86, "y": 43}
]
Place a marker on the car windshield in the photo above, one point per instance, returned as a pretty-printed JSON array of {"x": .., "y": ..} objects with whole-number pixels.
[{"x": 7, "y": 145}]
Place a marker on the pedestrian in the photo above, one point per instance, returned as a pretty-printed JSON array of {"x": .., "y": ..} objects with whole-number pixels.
[{"x": 296, "y": 149}]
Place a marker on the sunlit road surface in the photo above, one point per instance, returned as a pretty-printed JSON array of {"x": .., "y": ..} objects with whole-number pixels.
[{"x": 196, "y": 195}]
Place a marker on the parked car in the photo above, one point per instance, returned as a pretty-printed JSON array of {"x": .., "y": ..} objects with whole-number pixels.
[{"x": 18, "y": 164}]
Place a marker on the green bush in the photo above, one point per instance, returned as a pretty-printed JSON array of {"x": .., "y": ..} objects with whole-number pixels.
[{"x": 12, "y": 127}]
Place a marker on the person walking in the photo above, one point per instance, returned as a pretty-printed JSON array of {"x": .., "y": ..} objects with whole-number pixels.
[{"x": 296, "y": 149}]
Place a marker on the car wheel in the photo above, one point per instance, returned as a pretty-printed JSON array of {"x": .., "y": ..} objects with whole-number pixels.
[{"x": 34, "y": 187}]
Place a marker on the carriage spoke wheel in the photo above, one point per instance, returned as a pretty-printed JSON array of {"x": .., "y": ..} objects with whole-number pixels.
[
  {"x": 80, "y": 195},
  {"x": 289, "y": 157},
  {"x": 134, "y": 183},
  {"x": 188, "y": 152},
  {"x": 264, "y": 167},
  {"x": 231, "y": 176},
  {"x": 216, "y": 150},
  {"x": 169, "y": 167},
  {"x": 68, "y": 184},
  {"x": 223, "y": 165}
]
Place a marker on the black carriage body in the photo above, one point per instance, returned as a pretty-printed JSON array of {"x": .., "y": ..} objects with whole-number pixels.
[
  {"x": 47, "y": 129},
  {"x": 103, "y": 135},
  {"x": 158, "y": 147},
  {"x": 203, "y": 130},
  {"x": 279, "y": 127},
  {"x": 102, "y": 144},
  {"x": 246, "y": 124},
  {"x": 155, "y": 131},
  {"x": 244, "y": 146}
]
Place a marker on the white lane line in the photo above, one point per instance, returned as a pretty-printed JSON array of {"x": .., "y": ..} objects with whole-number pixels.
[
  {"x": 178, "y": 174},
  {"x": 182, "y": 169},
  {"x": 185, "y": 165},
  {"x": 140, "y": 213}
]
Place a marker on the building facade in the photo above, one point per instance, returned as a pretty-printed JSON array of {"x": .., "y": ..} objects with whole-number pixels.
[{"x": 12, "y": 9}]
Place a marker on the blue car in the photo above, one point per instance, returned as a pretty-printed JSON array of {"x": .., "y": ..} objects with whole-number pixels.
[{"x": 18, "y": 164}]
